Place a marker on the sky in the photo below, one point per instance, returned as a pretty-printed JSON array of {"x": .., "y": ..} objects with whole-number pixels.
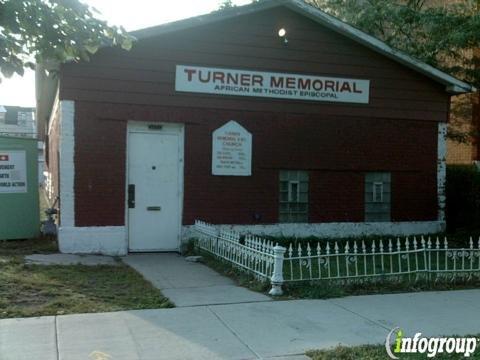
[{"x": 132, "y": 15}]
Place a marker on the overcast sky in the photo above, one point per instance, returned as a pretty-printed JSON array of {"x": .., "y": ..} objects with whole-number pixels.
[{"x": 135, "y": 14}]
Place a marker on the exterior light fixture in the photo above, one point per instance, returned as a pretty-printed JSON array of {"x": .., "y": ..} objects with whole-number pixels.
[{"x": 282, "y": 33}]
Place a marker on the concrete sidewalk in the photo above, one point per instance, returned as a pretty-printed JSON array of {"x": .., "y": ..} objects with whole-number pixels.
[
  {"x": 189, "y": 283},
  {"x": 259, "y": 330}
]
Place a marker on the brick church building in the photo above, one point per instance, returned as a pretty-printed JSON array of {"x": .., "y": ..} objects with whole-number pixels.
[{"x": 272, "y": 118}]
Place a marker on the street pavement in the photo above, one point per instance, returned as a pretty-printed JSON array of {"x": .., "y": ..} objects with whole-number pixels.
[{"x": 248, "y": 330}]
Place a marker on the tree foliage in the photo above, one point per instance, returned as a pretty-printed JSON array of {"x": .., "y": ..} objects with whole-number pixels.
[
  {"x": 226, "y": 4},
  {"x": 60, "y": 30},
  {"x": 442, "y": 33}
]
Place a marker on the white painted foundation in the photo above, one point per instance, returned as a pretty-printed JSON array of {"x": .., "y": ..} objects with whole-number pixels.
[
  {"x": 330, "y": 230},
  {"x": 105, "y": 240},
  {"x": 441, "y": 170},
  {"x": 66, "y": 162},
  {"x": 70, "y": 239},
  {"x": 108, "y": 240}
]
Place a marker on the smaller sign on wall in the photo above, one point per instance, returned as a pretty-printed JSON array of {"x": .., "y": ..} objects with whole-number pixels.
[
  {"x": 13, "y": 171},
  {"x": 232, "y": 150}
]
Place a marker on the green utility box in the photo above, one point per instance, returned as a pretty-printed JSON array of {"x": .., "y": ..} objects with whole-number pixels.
[{"x": 19, "y": 208}]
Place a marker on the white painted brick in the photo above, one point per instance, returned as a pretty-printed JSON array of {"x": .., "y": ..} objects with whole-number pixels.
[
  {"x": 66, "y": 163},
  {"x": 105, "y": 240},
  {"x": 325, "y": 230},
  {"x": 441, "y": 170}
]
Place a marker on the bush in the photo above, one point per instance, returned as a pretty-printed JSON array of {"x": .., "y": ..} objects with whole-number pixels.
[{"x": 463, "y": 198}]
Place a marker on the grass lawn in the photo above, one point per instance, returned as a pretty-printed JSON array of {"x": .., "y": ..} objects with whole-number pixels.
[
  {"x": 375, "y": 352},
  {"x": 325, "y": 289},
  {"x": 37, "y": 290}
]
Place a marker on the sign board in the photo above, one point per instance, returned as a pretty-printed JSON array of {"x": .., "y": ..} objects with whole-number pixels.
[
  {"x": 13, "y": 171},
  {"x": 232, "y": 150},
  {"x": 271, "y": 85}
]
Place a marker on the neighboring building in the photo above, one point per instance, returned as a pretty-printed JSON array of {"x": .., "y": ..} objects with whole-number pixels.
[
  {"x": 17, "y": 121},
  {"x": 466, "y": 119},
  {"x": 20, "y": 121},
  {"x": 272, "y": 118}
]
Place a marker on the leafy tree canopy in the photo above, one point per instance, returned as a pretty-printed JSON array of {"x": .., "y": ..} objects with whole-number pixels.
[
  {"x": 61, "y": 30},
  {"x": 226, "y": 4},
  {"x": 442, "y": 33}
]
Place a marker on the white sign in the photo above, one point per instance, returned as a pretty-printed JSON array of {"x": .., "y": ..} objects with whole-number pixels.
[
  {"x": 271, "y": 85},
  {"x": 13, "y": 171},
  {"x": 232, "y": 150}
]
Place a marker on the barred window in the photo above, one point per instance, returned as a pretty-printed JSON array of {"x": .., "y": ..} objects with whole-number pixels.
[
  {"x": 377, "y": 196},
  {"x": 293, "y": 196}
]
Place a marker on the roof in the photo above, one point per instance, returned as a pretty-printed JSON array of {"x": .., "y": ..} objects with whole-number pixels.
[
  {"x": 47, "y": 84},
  {"x": 5, "y": 108},
  {"x": 452, "y": 84}
]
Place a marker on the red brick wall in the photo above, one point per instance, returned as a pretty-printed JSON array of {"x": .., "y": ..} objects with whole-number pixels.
[
  {"x": 146, "y": 74},
  {"x": 336, "y": 196},
  {"x": 336, "y": 151},
  {"x": 100, "y": 148},
  {"x": 335, "y": 142}
]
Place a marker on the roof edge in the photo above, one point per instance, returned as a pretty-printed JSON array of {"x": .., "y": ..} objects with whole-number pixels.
[
  {"x": 205, "y": 19},
  {"x": 453, "y": 85}
]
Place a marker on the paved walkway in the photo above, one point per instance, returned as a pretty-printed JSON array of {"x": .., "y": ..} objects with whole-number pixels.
[
  {"x": 258, "y": 330},
  {"x": 189, "y": 283}
]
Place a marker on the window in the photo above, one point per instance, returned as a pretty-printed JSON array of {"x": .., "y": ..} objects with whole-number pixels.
[
  {"x": 293, "y": 196},
  {"x": 11, "y": 118},
  {"x": 377, "y": 192},
  {"x": 293, "y": 191},
  {"x": 377, "y": 196}
]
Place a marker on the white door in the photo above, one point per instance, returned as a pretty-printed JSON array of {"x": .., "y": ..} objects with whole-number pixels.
[{"x": 154, "y": 194}]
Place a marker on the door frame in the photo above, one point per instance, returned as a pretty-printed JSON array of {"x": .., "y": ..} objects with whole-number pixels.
[{"x": 166, "y": 128}]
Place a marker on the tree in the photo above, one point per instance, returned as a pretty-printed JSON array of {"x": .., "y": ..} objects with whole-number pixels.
[
  {"x": 226, "y": 4},
  {"x": 444, "y": 34},
  {"x": 60, "y": 30}
]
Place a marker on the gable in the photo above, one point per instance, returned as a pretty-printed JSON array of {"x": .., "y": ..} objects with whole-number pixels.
[
  {"x": 453, "y": 85},
  {"x": 146, "y": 74}
]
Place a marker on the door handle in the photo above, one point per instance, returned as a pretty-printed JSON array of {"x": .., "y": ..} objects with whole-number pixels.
[
  {"x": 131, "y": 196},
  {"x": 154, "y": 208}
]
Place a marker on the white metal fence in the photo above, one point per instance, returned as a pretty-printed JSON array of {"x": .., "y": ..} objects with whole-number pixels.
[
  {"x": 411, "y": 258},
  {"x": 254, "y": 255}
]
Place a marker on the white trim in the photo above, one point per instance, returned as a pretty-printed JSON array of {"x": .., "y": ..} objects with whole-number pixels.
[
  {"x": 167, "y": 128},
  {"x": 452, "y": 84},
  {"x": 66, "y": 163},
  {"x": 441, "y": 169},
  {"x": 53, "y": 118},
  {"x": 105, "y": 240},
  {"x": 329, "y": 230}
]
